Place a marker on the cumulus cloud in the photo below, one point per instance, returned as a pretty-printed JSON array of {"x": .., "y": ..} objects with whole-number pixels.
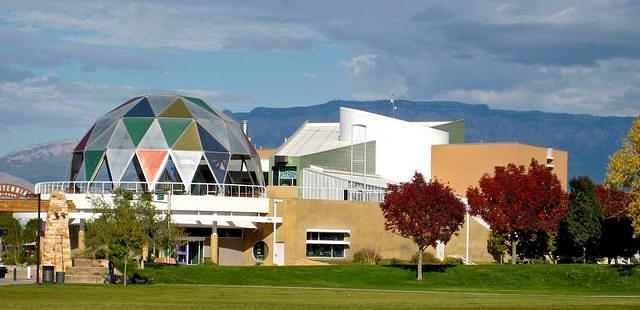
[{"x": 566, "y": 56}]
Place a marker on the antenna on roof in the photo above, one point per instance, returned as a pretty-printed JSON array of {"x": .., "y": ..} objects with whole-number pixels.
[{"x": 393, "y": 105}]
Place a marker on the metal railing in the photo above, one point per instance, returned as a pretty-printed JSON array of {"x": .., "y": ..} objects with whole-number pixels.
[
  {"x": 349, "y": 194},
  {"x": 197, "y": 189}
]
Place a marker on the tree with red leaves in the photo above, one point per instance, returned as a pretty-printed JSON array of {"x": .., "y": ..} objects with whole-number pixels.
[
  {"x": 519, "y": 202},
  {"x": 617, "y": 230},
  {"x": 426, "y": 213}
]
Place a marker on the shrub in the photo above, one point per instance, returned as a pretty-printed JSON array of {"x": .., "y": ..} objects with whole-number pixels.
[
  {"x": 366, "y": 256},
  {"x": 427, "y": 259},
  {"x": 449, "y": 260}
]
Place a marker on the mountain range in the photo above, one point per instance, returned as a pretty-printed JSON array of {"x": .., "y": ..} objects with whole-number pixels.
[{"x": 589, "y": 139}]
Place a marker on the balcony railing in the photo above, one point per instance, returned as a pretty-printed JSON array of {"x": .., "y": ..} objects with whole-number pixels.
[
  {"x": 350, "y": 194},
  {"x": 197, "y": 189}
]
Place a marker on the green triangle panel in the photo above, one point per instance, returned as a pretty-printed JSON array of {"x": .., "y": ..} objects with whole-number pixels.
[
  {"x": 137, "y": 127},
  {"x": 91, "y": 161},
  {"x": 189, "y": 141},
  {"x": 172, "y": 128},
  {"x": 177, "y": 109},
  {"x": 199, "y": 102}
]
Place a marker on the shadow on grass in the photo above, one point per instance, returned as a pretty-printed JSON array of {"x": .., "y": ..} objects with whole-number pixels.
[
  {"x": 425, "y": 268},
  {"x": 624, "y": 270}
]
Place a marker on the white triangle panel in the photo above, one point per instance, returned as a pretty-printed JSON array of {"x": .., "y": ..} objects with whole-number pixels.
[
  {"x": 118, "y": 162},
  {"x": 187, "y": 164}
]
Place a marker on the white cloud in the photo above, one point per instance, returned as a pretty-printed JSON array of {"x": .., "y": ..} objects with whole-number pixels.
[{"x": 360, "y": 64}]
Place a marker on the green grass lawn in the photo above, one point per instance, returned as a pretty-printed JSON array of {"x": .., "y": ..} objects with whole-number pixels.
[
  {"x": 548, "y": 279},
  {"x": 348, "y": 286}
]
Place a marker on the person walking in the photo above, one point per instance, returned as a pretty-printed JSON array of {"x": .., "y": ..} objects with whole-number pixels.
[{"x": 112, "y": 275}]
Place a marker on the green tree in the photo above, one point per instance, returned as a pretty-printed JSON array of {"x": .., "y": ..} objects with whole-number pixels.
[
  {"x": 623, "y": 172},
  {"x": 583, "y": 222},
  {"x": 497, "y": 246},
  {"x": 128, "y": 224},
  {"x": 13, "y": 238}
]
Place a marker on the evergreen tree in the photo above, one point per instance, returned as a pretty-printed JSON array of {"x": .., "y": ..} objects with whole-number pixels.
[{"x": 583, "y": 222}]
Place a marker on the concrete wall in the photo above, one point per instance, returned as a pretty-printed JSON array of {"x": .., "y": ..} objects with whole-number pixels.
[
  {"x": 462, "y": 165},
  {"x": 363, "y": 219}
]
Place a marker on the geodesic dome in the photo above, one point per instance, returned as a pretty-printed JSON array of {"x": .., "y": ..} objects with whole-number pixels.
[{"x": 166, "y": 138}]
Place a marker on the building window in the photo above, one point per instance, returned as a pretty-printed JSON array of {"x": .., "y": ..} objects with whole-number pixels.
[
  {"x": 328, "y": 243},
  {"x": 230, "y": 233},
  {"x": 326, "y": 250},
  {"x": 260, "y": 251}
]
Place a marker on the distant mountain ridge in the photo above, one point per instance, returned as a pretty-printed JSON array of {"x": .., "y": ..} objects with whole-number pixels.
[{"x": 590, "y": 140}]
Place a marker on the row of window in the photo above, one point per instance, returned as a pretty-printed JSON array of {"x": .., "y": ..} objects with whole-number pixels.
[{"x": 334, "y": 247}]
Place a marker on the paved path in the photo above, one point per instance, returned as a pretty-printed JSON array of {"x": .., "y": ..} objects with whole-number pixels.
[{"x": 8, "y": 280}]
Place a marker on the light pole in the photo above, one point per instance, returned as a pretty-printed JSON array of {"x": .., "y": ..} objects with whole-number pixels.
[
  {"x": 275, "y": 213},
  {"x": 37, "y": 236}
]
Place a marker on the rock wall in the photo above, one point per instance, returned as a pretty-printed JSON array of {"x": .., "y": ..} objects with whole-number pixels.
[{"x": 56, "y": 247}]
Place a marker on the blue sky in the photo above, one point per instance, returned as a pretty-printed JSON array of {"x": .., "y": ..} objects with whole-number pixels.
[{"x": 65, "y": 63}]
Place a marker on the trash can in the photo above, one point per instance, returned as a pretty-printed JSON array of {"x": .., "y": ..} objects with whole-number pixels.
[
  {"x": 60, "y": 277},
  {"x": 47, "y": 274}
]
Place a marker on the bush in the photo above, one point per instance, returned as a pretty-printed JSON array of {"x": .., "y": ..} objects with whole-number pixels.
[
  {"x": 366, "y": 256},
  {"x": 449, "y": 260},
  {"x": 427, "y": 259}
]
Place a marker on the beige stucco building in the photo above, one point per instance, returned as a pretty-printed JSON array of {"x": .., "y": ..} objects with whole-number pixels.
[{"x": 313, "y": 200}]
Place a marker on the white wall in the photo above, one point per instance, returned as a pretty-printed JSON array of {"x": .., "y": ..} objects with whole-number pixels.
[{"x": 402, "y": 148}]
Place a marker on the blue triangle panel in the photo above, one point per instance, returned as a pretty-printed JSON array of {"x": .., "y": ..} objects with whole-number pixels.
[
  {"x": 142, "y": 109},
  {"x": 209, "y": 143}
]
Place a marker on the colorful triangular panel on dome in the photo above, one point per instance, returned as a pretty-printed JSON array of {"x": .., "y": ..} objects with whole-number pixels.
[
  {"x": 209, "y": 143},
  {"x": 137, "y": 127},
  {"x": 120, "y": 138},
  {"x": 91, "y": 161},
  {"x": 141, "y": 109},
  {"x": 83, "y": 143},
  {"x": 151, "y": 162},
  {"x": 199, "y": 102},
  {"x": 121, "y": 109},
  {"x": 219, "y": 164},
  {"x": 160, "y": 103},
  {"x": 125, "y": 103},
  {"x": 153, "y": 139},
  {"x": 217, "y": 129},
  {"x": 101, "y": 142},
  {"x": 170, "y": 173},
  {"x": 76, "y": 165},
  {"x": 118, "y": 162},
  {"x": 177, "y": 109},
  {"x": 187, "y": 163},
  {"x": 103, "y": 174},
  {"x": 134, "y": 172},
  {"x": 172, "y": 128},
  {"x": 189, "y": 141}
]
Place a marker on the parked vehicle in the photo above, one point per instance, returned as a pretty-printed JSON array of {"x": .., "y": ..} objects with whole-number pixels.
[{"x": 3, "y": 270}]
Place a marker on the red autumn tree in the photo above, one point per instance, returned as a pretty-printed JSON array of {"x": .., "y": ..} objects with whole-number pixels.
[
  {"x": 615, "y": 203},
  {"x": 518, "y": 202},
  {"x": 423, "y": 212}
]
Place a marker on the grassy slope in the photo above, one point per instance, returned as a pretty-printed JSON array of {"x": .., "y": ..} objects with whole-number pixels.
[{"x": 553, "y": 279}]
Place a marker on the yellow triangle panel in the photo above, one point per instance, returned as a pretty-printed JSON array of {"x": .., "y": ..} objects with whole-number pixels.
[
  {"x": 190, "y": 140},
  {"x": 177, "y": 109}
]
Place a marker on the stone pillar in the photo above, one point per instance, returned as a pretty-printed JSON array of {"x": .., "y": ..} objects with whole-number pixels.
[
  {"x": 214, "y": 243},
  {"x": 81, "y": 244},
  {"x": 214, "y": 248},
  {"x": 56, "y": 247}
]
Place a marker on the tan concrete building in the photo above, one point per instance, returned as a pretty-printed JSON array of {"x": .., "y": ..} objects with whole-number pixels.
[{"x": 324, "y": 188}]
